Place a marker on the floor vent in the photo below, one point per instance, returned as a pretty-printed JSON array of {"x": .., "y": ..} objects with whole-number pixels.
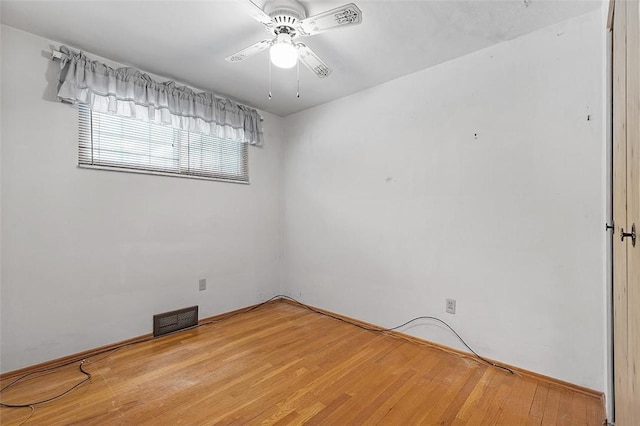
[{"x": 174, "y": 320}]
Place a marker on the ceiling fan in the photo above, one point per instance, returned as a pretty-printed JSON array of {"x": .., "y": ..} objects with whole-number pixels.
[{"x": 286, "y": 20}]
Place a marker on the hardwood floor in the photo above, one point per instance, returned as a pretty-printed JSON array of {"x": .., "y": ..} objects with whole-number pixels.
[{"x": 282, "y": 364}]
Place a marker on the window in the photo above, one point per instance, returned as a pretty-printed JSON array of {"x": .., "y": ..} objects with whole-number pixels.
[{"x": 119, "y": 143}]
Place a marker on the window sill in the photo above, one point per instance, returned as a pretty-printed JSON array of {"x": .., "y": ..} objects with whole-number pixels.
[{"x": 149, "y": 172}]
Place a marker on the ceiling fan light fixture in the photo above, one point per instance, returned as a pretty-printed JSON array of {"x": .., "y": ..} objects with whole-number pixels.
[{"x": 283, "y": 52}]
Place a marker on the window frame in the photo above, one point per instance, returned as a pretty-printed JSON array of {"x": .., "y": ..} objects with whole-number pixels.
[{"x": 86, "y": 141}]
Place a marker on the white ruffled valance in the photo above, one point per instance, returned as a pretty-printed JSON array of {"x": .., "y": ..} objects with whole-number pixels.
[{"x": 131, "y": 93}]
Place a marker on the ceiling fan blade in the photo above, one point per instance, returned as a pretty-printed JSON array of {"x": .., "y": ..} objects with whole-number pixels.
[
  {"x": 249, "y": 51},
  {"x": 349, "y": 14},
  {"x": 256, "y": 12},
  {"x": 312, "y": 61}
]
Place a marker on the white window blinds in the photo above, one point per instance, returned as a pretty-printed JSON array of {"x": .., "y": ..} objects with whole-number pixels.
[{"x": 120, "y": 143}]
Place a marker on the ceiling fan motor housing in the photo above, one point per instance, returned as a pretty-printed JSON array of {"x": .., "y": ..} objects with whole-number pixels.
[
  {"x": 285, "y": 14},
  {"x": 285, "y": 20}
]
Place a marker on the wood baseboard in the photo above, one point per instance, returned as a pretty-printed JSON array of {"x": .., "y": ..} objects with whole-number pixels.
[
  {"x": 99, "y": 350},
  {"x": 288, "y": 364},
  {"x": 73, "y": 357},
  {"x": 92, "y": 352},
  {"x": 518, "y": 370}
]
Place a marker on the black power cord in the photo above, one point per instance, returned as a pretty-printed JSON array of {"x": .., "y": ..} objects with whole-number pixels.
[
  {"x": 383, "y": 330},
  {"x": 53, "y": 398},
  {"x": 110, "y": 351}
]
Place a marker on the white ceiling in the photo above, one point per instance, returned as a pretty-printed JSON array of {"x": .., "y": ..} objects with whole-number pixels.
[{"x": 188, "y": 40}]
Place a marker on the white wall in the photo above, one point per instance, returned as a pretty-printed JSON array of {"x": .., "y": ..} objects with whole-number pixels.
[
  {"x": 89, "y": 256},
  {"x": 392, "y": 204}
]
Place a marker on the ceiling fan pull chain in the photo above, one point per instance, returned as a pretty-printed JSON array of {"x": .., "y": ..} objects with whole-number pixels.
[
  {"x": 298, "y": 75},
  {"x": 270, "y": 80}
]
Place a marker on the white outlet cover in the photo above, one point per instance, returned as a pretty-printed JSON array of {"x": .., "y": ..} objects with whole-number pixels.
[{"x": 451, "y": 306}]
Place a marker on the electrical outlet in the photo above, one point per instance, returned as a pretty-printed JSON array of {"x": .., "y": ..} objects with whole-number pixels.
[
  {"x": 203, "y": 284},
  {"x": 451, "y": 306}
]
